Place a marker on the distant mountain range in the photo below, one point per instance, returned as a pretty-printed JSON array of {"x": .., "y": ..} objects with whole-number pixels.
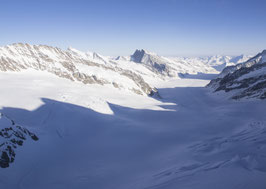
[{"x": 132, "y": 73}]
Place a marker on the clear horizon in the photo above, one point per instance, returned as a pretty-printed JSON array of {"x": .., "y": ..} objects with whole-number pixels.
[{"x": 116, "y": 27}]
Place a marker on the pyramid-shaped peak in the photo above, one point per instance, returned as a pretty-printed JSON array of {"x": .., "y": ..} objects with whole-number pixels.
[{"x": 139, "y": 54}]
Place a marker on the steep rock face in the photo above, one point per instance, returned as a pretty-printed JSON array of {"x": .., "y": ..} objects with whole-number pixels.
[
  {"x": 12, "y": 136},
  {"x": 246, "y": 80},
  {"x": 138, "y": 56},
  {"x": 89, "y": 68}
]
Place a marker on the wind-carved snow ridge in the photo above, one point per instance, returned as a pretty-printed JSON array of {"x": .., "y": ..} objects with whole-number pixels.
[
  {"x": 245, "y": 80},
  {"x": 12, "y": 136}
]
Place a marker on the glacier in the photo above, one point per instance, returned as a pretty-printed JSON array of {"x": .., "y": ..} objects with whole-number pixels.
[{"x": 99, "y": 135}]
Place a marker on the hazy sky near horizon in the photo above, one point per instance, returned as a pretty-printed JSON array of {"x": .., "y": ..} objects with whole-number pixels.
[{"x": 118, "y": 27}]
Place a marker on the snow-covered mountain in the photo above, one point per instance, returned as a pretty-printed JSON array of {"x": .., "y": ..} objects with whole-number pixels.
[
  {"x": 244, "y": 80},
  {"x": 220, "y": 62},
  {"x": 135, "y": 73},
  {"x": 122, "y": 72},
  {"x": 88, "y": 68},
  {"x": 173, "y": 66},
  {"x": 170, "y": 66},
  {"x": 217, "y": 62}
]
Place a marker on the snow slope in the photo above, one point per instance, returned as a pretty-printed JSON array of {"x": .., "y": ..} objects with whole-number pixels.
[{"x": 95, "y": 136}]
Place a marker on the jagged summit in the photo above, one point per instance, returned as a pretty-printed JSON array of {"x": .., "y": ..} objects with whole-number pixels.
[{"x": 139, "y": 55}]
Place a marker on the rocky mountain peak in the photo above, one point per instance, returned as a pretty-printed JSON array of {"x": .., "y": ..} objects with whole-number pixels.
[{"x": 138, "y": 55}]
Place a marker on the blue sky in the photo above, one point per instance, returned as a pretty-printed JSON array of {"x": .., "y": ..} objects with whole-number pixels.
[{"x": 118, "y": 27}]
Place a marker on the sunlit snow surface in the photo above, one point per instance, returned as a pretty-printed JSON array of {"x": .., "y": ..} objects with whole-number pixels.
[{"x": 96, "y": 137}]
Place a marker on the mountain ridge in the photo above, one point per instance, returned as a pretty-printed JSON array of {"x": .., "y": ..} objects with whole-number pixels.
[
  {"x": 244, "y": 80},
  {"x": 134, "y": 73},
  {"x": 71, "y": 64}
]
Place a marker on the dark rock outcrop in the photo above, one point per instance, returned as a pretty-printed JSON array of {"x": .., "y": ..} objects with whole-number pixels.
[{"x": 12, "y": 136}]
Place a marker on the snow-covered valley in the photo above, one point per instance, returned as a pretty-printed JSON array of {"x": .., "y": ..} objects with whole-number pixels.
[{"x": 144, "y": 121}]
